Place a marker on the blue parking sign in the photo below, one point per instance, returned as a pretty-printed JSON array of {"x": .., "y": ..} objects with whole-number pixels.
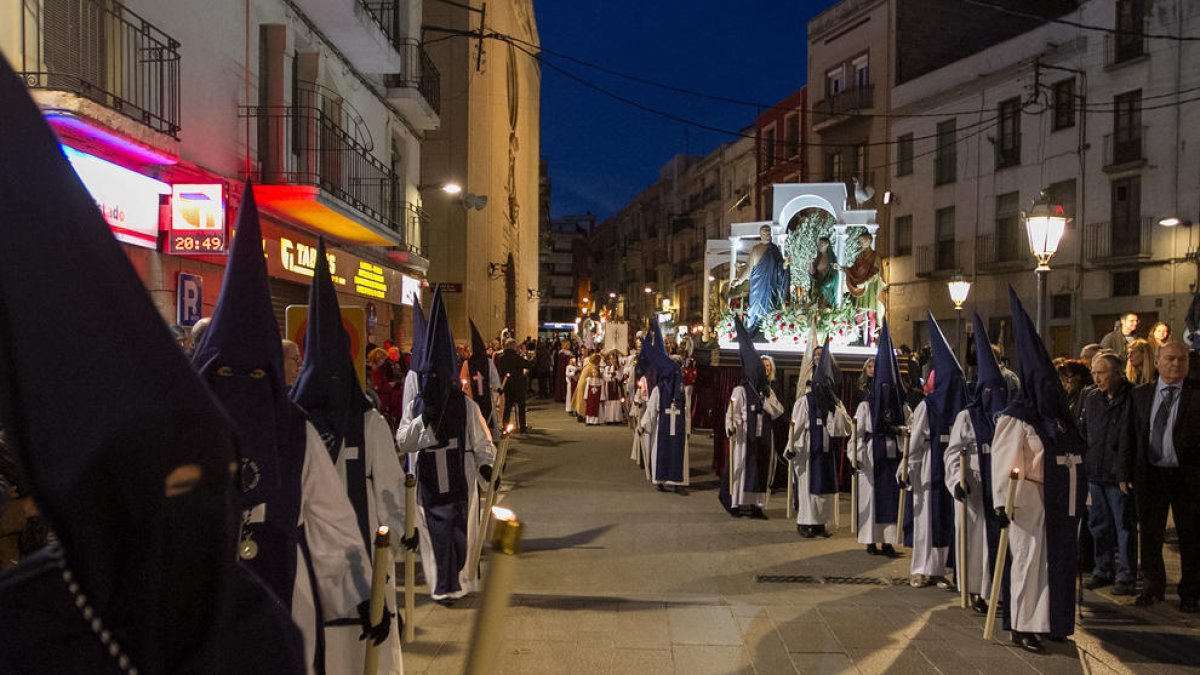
[{"x": 190, "y": 299}]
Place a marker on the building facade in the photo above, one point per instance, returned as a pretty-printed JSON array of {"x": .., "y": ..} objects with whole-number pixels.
[
  {"x": 484, "y": 243},
  {"x": 1100, "y": 122},
  {"x": 165, "y": 108},
  {"x": 781, "y": 147},
  {"x": 565, "y": 274}
]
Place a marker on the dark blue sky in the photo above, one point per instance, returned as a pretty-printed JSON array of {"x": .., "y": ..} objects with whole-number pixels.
[{"x": 601, "y": 152}]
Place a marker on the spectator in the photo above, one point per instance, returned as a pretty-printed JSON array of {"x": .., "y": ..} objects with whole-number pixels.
[
  {"x": 1161, "y": 465},
  {"x": 1118, "y": 340},
  {"x": 865, "y": 378},
  {"x": 1139, "y": 360},
  {"x": 1105, "y": 421},
  {"x": 543, "y": 368},
  {"x": 1160, "y": 334},
  {"x": 1074, "y": 376},
  {"x": 1089, "y": 352},
  {"x": 512, "y": 368},
  {"x": 291, "y": 362}
]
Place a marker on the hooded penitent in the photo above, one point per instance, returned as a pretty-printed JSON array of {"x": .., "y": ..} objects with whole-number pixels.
[
  {"x": 241, "y": 360},
  {"x": 991, "y": 398},
  {"x": 419, "y": 335},
  {"x": 948, "y": 398},
  {"x": 886, "y": 403},
  {"x": 328, "y": 388},
  {"x": 127, "y": 454},
  {"x": 822, "y": 400},
  {"x": 759, "y": 450},
  {"x": 444, "y": 403},
  {"x": 671, "y": 435},
  {"x": 1042, "y": 403},
  {"x": 480, "y": 370}
]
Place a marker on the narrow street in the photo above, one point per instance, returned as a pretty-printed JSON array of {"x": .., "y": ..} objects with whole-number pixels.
[{"x": 619, "y": 578}]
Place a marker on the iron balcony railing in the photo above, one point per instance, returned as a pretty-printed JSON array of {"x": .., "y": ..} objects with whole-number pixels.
[
  {"x": 844, "y": 102},
  {"x": 416, "y": 227},
  {"x": 419, "y": 73},
  {"x": 102, "y": 51},
  {"x": 1128, "y": 145},
  {"x": 1001, "y": 250},
  {"x": 306, "y": 145},
  {"x": 1118, "y": 240},
  {"x": 940, "y": 258}
]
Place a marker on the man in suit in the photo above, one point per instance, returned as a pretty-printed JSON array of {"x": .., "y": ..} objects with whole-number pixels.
[
  {"x": 513, "y": 370},
  {"x": 1162, "y": 468}
]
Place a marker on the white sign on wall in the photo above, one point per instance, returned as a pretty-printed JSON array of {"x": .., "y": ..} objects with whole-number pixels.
[{"x": 128, "y": 200}]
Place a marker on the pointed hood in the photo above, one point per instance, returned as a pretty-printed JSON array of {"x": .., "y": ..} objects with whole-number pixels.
[
  {"x": 1042, "y": 401},
  {"x": 753, "y": 370},
  {"x": 886, "y": 398},
  {"x": 327, "y": 389},
  {"x": 419, "y": 335},
  {"x": 647, "y": 363},
  {"x": 806, "y": 363},
  {"x": 241, "y": 357},
  {"x": 949, "y": 395},
  {"x": 823, "y": 386},
  {"x": 479, "y": 357},
  {"x": 439, "y": 368},
  {"x": 127, "y": 453},
  {"x": 479, "y": 366},
  {"x": 991, "y": 389}
]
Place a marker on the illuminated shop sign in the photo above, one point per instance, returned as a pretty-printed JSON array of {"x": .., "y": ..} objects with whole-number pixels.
[
  {"x": 290, "y": 258},
  {"x": 197, "y": 219},
  {"x": 128, "y": 200},
  {"x": 369, "y": 280}
]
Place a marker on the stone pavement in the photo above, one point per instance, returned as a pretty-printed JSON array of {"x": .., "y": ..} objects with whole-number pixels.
[{"x": 619, "y": 578}]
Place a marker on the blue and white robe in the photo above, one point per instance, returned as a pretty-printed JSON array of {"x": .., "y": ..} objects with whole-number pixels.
[{"x": 814, "y": 462}]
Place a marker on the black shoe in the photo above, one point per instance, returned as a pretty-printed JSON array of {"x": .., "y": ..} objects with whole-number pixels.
[
  {"x": 756, "y": 513},
  {"x": 445, "y": 602},
  {"x": 1097, "y": 582},
  {"x": 1029, "y": 642},
  {"x": 872, "y": 550},
  {"x": 979, "y": 604},
  {"x": 1147, "y": 598},
  {"x": 661, "y": 487},
  {"x": 1057, "y": 638},
  {"x": 889, "y": 551},
  {"x": 1123, "y": 588},
  {"x": 805, "y": 531},
  {"x": 820, "y": 531},
  {"x": 681, "y": 490},
  {"x": 1188, "y": 606}
]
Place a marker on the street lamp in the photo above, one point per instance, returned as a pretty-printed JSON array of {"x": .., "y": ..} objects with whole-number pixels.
[
  {"x": 1044, "y": 223},
  {"x": 959, "y": 288}
]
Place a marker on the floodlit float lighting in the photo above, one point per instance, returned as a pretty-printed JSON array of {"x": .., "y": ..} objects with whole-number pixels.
[
  {"x": 666, "y": 304},
  {"x": 960, "y": 288}
]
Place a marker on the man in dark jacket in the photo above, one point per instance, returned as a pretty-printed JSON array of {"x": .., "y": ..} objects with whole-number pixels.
[
  {"x": 1105, "y": 418},
  {"x": 512, "y": 367},
  {"x": 542, "y": 368},
  {"x": 1161, "y": 465}
]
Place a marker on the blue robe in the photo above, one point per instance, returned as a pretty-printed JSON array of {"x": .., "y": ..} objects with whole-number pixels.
[{"x": 768, "y": 287}]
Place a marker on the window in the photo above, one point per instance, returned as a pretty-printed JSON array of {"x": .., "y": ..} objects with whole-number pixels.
[
  {"x": 1064, "y": 104},
  {"x": 1008, "y": 226},
  {"x": 1126, "y": 212},
  {"x": 1063, "y": 192},
  {"x": 1126, "y": 145},
  {"x": 791, "y": 136},
  {"x": 862, "y": 73},
  {"x": 944, "y": 251},
  {"x": 835, "y": 82},
  {"x": 1128, "y": 41},
  {"x": 904, "y": 155},
  {"x": 903, "y": 237},
  {"x": 1126, "y": 284},
  {"x": 946, "y": 159},
  {"x": 834, "y": 169},
  {"x": 1060, "y": 306},
  {"x": 1008, "y": 143},
  {"x": 769, "y": 148}
]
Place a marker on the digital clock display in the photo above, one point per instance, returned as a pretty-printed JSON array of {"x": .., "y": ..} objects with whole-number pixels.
[{"x": 196, "y": 242}]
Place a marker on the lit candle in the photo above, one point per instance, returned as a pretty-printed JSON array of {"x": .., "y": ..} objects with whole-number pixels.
[
  {"x": 497, "y": 587},
  {"x": 383, "y": 560},
  {"x": 989, "y": 626}
]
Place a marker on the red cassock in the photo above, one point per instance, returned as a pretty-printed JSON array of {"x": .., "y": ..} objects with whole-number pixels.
[{"x": 592, "y": 399}]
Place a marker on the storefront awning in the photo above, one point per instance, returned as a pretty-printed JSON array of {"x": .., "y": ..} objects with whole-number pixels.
[{"x": 311, "y": 207}]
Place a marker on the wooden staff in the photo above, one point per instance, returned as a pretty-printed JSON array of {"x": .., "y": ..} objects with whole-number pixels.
[
  {"x": 989, "y": 626},
  {"x": 497, "y": 587},
  {"x": 791, "y": 469},
  {"x": 383, "y": 560},
  {"x": 962, "y": 531},
  {"x": 851, "y": 452},
  {"x": 905, "y": 436},
  {"x": 489, "y": 501},
  {"x": 410, "y": 572}
]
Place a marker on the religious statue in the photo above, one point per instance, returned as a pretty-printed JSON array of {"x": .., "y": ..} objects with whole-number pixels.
[
  {"x": 864, "y": 282},
  {"x": 823, "y": 274},
  {"x": 766, "y": 270}
]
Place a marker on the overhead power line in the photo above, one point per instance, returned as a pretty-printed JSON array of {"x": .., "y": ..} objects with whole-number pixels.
[{"x": 1084, "y": 26}]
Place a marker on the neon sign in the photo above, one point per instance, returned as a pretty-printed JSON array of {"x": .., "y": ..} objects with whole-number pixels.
[
  {"x": 127, "y": 199},
  {"x": 301, "y": 259}
]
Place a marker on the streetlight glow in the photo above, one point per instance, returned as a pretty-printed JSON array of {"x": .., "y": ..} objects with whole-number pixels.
[
  {"x": 451, "y": 188},
  {"x": 1045, "y": 224},
  {"x": 959, "y": 288}
]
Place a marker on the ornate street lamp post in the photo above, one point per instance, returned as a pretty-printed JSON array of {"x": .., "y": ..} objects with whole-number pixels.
[
  {"x": 1045, "y": 223},
  {"x": 959, "y": 288}
]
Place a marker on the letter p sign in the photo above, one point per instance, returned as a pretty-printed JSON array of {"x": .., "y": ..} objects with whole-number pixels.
[{"x": 190, "y": 299}]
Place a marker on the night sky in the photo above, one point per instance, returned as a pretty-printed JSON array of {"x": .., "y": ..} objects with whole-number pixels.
[{"x": 602, "y": 152}]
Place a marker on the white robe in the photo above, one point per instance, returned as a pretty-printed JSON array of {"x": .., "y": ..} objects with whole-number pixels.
[
  {"x": 649, "y": 427},
  {"x": 813, "y": 509},
  {"x": 572, "y": 374},
  {"x": 736, "y": 420},
  {"x": 637, "y": 407},
  {"x": 339, "y": 558},
  {"x": 978, "y": 567},
  {"x": 411, "y": 437},
  {"x": 611, "y": 408},
  {"x": 1017, "y": 445},
  {"x": 927, "y": 559},
  {"x": 868, "y": 531},
  {"x": 385, "y": 506}
]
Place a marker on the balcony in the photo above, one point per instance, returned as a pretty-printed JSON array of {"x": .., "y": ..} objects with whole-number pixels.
[
  {"x": 1125, "y": 150},
  {"x": 1125, "y": 46},
  {"x": 366, "y": 33},
  {"x": 101, "y": 53},
  {"x": 994, "y": 252},
  {"x": 839, "y": 107},
  {"x": 315, "y": 171},
  {"x": 416, "y": 89},
  {"x": 1116, "y": 243},
  {"x": 939, "y": 260}
]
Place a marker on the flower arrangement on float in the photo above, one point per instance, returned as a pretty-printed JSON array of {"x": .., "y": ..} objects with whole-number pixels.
[{"x": 789, "y": 324}]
